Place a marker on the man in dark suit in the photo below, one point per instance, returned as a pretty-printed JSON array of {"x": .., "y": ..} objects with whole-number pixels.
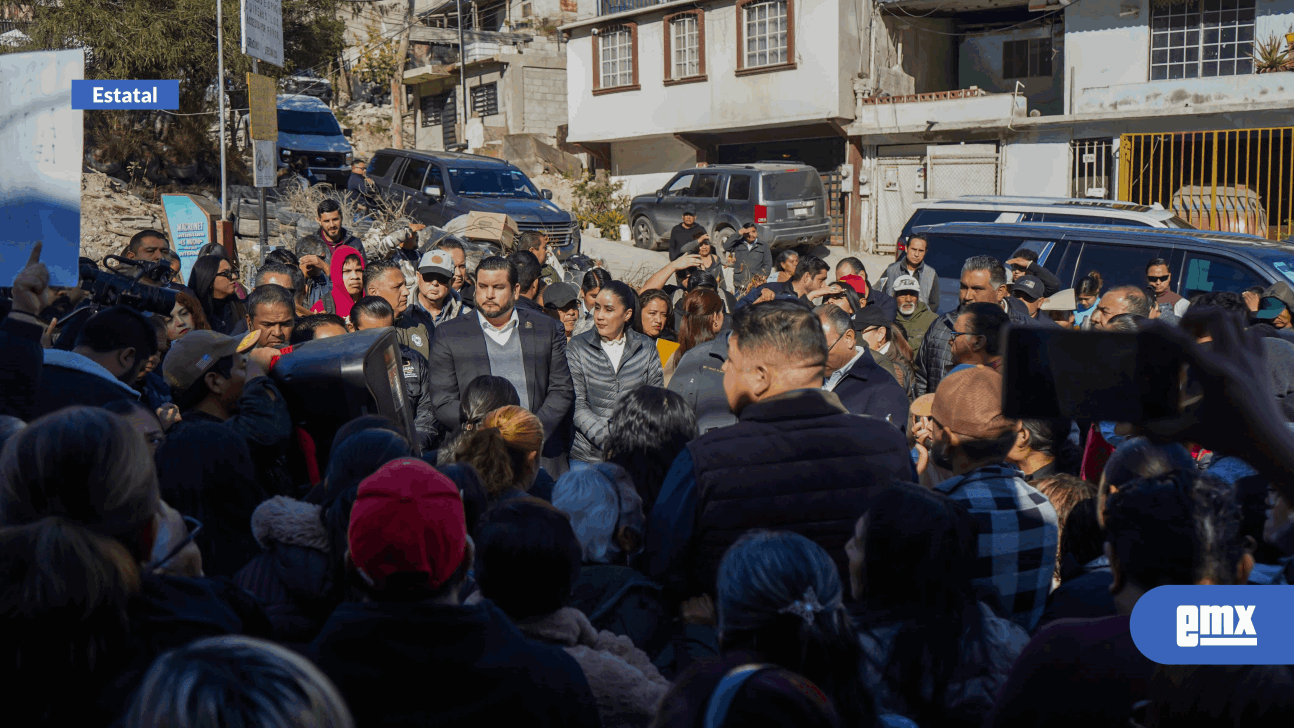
[
  {"x": 862, "y": 385},
  {"x": 525, "y": 347}
]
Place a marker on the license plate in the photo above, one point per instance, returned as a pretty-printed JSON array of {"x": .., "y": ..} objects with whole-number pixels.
[{"x": 800, "y": 212}]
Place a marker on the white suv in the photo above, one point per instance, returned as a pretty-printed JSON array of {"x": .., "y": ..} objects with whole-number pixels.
[{"x": 1002, "y": 208}]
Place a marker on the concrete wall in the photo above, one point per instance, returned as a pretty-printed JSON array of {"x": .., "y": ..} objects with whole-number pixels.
[
  {"x": 1103, "y": 49},
  {"x": 814, "y": 91},
  {"x": 1037, "y": 164},
  {"x": 979, "y": 63},
  {"x": 645, "y": 164},
  {"x": 545, "y": 100},
  {"x": 923, "y": 48}
]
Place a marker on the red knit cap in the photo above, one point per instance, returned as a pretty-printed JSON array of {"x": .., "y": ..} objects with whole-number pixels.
[{"x": 407, "y": 518}]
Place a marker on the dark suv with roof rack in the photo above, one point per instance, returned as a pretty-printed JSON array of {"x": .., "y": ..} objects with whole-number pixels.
[
  {"x": 786, "y": 201},
  {"x": 1200, "y": 260},
  {"x": 440, "y": 186}
]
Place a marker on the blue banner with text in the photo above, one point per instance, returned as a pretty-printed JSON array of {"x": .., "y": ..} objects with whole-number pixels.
[
  {"x": 100, "y": 95},
  {"x": 1215, "y": 625}
]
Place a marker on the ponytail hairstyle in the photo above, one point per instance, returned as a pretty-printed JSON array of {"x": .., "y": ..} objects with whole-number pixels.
[
  {"x": 1090, "y": 285},
  {"x": 627, "y": 298},
  {"x": 500, "y": 449},
  {"x": 78, "y": 497},
  {"x": 482, "y": 396},
  {"x": 779, "y": 596},
  {"x": 898, "y": 338},
  {"x": 699, "y": 306}
]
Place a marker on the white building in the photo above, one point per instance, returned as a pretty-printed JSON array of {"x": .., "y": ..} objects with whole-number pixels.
[{"x": 930, "y": 98}]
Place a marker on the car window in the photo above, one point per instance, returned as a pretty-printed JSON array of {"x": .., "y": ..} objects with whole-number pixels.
[
  {"x": 413, "y": 173},
  {"x": 1119, "y": 265},
  {"x": 792, "y": 185},
  {"x": 380, "y": 165},
  {"x": 947, "y": 253},
  {"x": 679, "y": 187},
  {"x": 941, "y": 216},
  {"x": 492, "y": 182},
  {"x": 1078, "y": 219},
  {"x": 314, "y": 123},
  {"x": 435, "y": 178},
  {"x": 1204, "y": 273},
  {"x": 707, "y": 185},
  {"x": 739, "y": 187}
]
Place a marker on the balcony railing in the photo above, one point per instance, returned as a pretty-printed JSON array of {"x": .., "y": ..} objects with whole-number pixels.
[
  {"x": 8, "y": 25},
  {"x": 608, "y": 7}
]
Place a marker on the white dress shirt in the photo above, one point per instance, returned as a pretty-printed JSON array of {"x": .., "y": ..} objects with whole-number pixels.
[
  {"x": 502, "y": 334},
  {"x": 615, "y": 350},
  {"x": 839, "y": 374}
]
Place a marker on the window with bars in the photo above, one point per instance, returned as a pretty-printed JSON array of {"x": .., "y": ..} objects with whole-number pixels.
[
  {"x": 1201, "y": 38},
  {"x": 616, "y": 46},
  {"x": 1029, "y": 58},
  {"x": 485, "y": 99},
  {"x": 435, "y": 108},
  {"x": 685, "y": 46},
  {"x": 765, "y": 38}
]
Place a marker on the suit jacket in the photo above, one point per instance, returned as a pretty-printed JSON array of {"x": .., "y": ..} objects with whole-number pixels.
[
  {"x": 867, "y": 389},
  {"x": 458, "y": 355}
]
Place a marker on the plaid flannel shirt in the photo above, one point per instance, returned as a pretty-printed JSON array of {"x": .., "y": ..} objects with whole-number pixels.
[{"x": 1017, "y": 540}]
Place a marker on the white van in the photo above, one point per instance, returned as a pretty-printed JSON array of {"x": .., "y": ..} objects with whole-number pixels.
[{"x": 1003, "y": 208}]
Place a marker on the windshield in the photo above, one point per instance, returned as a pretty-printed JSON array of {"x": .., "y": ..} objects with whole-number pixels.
[
  {"x": 1177, "y": 222},
  {"x": 797, "y": 185},
  {"x": 492, "y": 182},
  {"x": 319, "y": 123}
]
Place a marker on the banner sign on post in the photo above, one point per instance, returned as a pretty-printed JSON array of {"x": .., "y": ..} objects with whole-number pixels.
[
  {"x": 262, "y": 22},
  {"x": 265, "y": 163},
  {"x": 126, "y": 95},
  {"x": 189, "y": 226},
  {"x": 40, "y": 179},
  {"x": 262, "y": 97}
]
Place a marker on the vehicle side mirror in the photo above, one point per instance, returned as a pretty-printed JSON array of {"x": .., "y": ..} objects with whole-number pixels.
[
  {"x": 431, "y": 191},
  {"x": 348, "y": 133},
  {"x": 548, "y": 194},
  {"x": 660, "y": 193}
]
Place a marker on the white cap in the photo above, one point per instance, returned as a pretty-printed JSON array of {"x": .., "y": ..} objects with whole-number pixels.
[
  {"x": 437, "y": 261},
  {"x": 906, "y": 283}
]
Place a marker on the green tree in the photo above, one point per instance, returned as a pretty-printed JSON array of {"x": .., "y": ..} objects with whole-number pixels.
[{"x": 174, "y": 39}]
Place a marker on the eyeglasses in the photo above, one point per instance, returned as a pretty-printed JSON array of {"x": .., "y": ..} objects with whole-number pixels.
[
  {"x": 230, "y": 274},
  {"x": 1157, "y": 279},
  {"x": 837, "y": 341},
  {"x": 195, "y": 527}
]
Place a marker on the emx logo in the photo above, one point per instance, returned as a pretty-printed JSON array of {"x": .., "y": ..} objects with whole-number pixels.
[
  {"x": 1226, "y": 626},
  {"x": 1215, "y": 625}
]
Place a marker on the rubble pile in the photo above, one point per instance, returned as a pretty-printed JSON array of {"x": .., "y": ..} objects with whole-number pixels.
[
  {"x": 111, "y": 214},
  {"x": 371, "y": 125}
]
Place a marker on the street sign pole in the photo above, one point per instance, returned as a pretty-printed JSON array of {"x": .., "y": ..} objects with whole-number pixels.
[{"x": 265, "y": 225}]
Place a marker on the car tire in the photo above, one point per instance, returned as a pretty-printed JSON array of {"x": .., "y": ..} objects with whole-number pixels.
[
  {"x": 644, "y": 236},
  {"x": 721, "y": 238}
]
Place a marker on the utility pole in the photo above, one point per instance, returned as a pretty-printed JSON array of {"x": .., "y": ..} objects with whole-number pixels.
[
  {"x": 397, "y": 81},
  {"x": 462, "y": 72},
  {"x": 260, "y": 191},
  {"x": 220, "y": 92}
]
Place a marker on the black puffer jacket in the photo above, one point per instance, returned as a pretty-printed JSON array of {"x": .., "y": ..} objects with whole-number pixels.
[{"x": 293, "y": 578}]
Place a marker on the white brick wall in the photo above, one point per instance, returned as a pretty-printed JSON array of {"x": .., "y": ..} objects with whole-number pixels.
[{"x": 544, "y": 105}]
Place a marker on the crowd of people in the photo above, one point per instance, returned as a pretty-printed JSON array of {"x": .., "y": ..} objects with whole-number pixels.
[{"x": 752, "y": 490}]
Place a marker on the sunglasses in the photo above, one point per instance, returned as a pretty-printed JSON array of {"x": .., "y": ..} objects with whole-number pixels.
[
  {"x": 230, "y": 274},
  {"x": 195, "y": 527},
  {"x": 1157, "y": 279}
]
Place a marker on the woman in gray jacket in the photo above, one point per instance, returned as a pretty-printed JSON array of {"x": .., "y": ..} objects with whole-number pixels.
[{"x": 607, "y": 362}]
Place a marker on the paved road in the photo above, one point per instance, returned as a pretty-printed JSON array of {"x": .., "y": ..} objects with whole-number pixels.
[{"x": 635, "y": 264}]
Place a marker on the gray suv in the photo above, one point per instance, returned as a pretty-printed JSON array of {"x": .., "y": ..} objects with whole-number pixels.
[
  {"x": 786, "y": 201},
  {"x": 440, "y": 186}
]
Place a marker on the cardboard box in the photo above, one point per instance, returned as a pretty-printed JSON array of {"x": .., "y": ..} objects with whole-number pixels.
[{"x": 490, "y": 227}]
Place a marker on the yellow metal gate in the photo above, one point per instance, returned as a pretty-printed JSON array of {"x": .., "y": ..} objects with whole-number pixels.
[{"x": 1239, "y": 181}]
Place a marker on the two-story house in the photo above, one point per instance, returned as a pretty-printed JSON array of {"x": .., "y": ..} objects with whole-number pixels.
[
  {"x": 1150, "y": 101},
  {"x": 655, "y": 87}
]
